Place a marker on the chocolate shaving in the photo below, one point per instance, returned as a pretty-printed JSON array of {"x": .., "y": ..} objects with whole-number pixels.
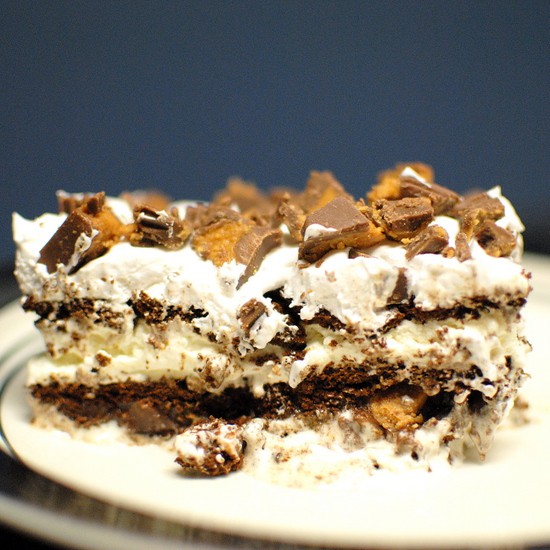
[
  {"x": 350, "y": 227},
  {"x": 252, "y": 248},
  {"x": 89, "y": 231},
  {"x": 159, "y": 228},
  {"x": 357, "y": 253},
  {"x": 403, "y": 218},
  {"x": 495, "y": 240},
  {"x": 249, "y": 313},
  {"x": 431, "y": 240}
]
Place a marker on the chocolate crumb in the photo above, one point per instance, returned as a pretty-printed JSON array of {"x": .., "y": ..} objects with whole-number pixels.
[
  {"x": 222, "y": 445},
  {"x": 462, "y": 247}
]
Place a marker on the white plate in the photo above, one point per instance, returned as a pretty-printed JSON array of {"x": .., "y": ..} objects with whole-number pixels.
[{"x": 501, "y": 502}]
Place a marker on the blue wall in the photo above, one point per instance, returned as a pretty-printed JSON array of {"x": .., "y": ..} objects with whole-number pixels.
[{"x": 181, "y": 95}]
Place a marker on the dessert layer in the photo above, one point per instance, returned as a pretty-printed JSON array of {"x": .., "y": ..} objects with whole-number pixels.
[{"x": 483, "y": 341}]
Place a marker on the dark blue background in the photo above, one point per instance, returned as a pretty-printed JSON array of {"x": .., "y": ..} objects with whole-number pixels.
[{"x": 181, "y": 95}]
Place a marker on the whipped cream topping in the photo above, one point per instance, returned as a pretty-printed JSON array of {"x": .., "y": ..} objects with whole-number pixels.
[{"x": 354, "y": 290}]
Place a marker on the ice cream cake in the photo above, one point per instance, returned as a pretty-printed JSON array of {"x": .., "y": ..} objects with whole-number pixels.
[{"x": 307, "y": 332}]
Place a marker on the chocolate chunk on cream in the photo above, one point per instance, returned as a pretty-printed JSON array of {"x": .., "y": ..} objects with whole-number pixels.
[
  {"x": 442, "y": 199},
  {"x": 475, "y": 209},
  {"x": 249, "y": 313},
  {"x": 252, "y": 248},
  {"x": 431, "y": 240},
  {"x": 337, "y": 225},
  {"x": 495, "y": 240},
  {"x": 88, "y": 232},
  {"x": 403, "y": 218},
  {"x": 159, "y": 227}
]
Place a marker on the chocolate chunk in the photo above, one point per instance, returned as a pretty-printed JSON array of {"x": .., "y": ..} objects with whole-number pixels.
[
  {"x": 492, "y": 207},
  {"x": 400, "y": 292},
  {"x": 350, "y": 228},
  {"x": 243, "y": 194},
  {"x": 152, "y": 199},
  {"x": 67, "y": 202},
  {"x": 252, "y": 248},
  {"x": 321, "y": 188},
  {"x": 474, "y": 209},
  {"x": 431, "y": 240},
  {"x": 495, "y": 240},
  {"x": 462, "y": 247},
  {"x": 398, "y": 407},
  {"x": 89, "y": 231},
  {"x": 143, "y": 417},
  {"x": 292, "y": 215},
  {"x": 388, "y": 186},
  {"x": 442, "y": 199},
  {"x": 362, "y": 237},
  {"x": 202, "y": 215},
  {"x": 403, "y": 218},
  {"x": 216, "y": 241},
  {"x": 158, "y": 227},
  {"x": 249, "y": 313},
  {"x": 340, "y": 213}
]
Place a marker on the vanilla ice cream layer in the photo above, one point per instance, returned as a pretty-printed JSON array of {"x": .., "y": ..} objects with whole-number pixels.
[{"x": 96, "y": 354}]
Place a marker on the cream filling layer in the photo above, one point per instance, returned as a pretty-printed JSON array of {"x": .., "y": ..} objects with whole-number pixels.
[{"x": 95, "y": 354}]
